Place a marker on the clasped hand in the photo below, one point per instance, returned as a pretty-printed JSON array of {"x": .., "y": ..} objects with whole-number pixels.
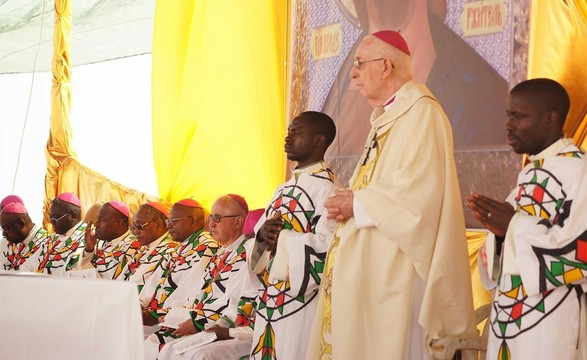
[
  {"x": 494, "y": 215},
  {"x": 340, "y": 206},
  {"x": 269, "y": 232}
]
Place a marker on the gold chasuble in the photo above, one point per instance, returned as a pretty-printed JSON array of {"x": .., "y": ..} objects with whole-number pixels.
[
  {"x": 388, "y": 285},
  {"x": 360, "y": 181}
]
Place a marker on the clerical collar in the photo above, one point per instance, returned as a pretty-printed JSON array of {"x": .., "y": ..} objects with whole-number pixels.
[
  {"x": 235, "y": 244},
  {"x": 155, "y": 243},
  {"x": 379, "y": 110},
  {"x": 31, "y": 234},
  {"x": 115, "y": 241},
  {"x": 308, "y": 169},
  {"x": 71, "y": 230},
  {"x": 389, "y": 101},
  {"x": 192, "y": 236}
]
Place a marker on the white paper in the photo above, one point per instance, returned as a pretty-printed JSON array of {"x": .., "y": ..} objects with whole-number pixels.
[
  {"x": 194, "y": 341},
  {"x": 82, "y": 274},
  {"x": 175, "y": 317}
]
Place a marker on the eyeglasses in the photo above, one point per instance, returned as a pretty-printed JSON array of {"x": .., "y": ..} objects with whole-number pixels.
[
  {"x": 172, "y": 221},
  {"x": 142, "y": 226},
  {"x": 358, "y": 63},
  {"x": 56, "y": 220},
  {"x": 216, "y": 217}
]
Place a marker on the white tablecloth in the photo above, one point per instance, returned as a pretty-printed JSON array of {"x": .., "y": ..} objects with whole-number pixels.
[{"x": 43, "y": 317}]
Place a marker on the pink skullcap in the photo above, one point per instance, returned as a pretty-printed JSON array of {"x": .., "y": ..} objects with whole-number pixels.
[
  {"x": 120, "y": 206},
  {"x": 251, "y": 220},
  {"x": 240, "y": 200},
  {"x": 14, "y": 208},
  {"x": 10, "y": 199},
  {"x": 190, "y": 203},
  {"x": 394, "y": 39},
  {"x": 159, "y": 207},
  {"x": 69, "y": 198}
]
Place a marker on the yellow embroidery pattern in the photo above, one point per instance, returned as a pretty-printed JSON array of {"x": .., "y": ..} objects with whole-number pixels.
[{"x": 362, "y": 179}]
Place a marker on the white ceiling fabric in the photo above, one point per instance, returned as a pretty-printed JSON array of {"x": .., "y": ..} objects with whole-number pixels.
[
  {"x": 111, "y": 100},
  {"x": 101, "y": 30}
]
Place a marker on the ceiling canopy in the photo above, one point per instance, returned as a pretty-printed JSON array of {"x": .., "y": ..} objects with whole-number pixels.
[{"x": 101, "y": 30}]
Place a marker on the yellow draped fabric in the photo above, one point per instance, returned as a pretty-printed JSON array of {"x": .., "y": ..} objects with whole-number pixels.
[
  {"x": 64, "y": 172},
  {"x": 92, "y": 187},
  {"x": 558, "y": 50},
  {"x": 218, "y": 98},
  {"x": 58, "y": 146},
  {"x": 475, "y": 239}
]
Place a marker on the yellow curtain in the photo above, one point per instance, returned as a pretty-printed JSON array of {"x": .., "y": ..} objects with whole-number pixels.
[
  {"x": 64, "y": 172},
  {"x": 558, "y": 50},
  {"x": 93, "y": 187},
  {"x": 59, "y": 143},
  {"x": 218, "y": 98},
  {"x": 475, "y": 239}
]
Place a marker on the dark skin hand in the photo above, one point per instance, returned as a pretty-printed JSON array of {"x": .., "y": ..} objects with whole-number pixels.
[
  {"x": 148, "y": 319},
  {"x": 494, "y": 215},
  {"x": 269, "y": 231},
  {"x": 185, "y": 328},
  {"x": 221, "y": 332},
  {"x": 91, "y": 238}
]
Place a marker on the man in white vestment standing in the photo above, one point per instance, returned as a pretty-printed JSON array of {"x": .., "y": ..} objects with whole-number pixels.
[
  {"x": 292, "y": 237},
  {"x": 397, "y": 274},
  {"x": 538, "y": 310}
]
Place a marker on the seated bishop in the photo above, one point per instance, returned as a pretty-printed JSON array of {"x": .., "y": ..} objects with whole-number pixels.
[
  {"x": 66, "y": 245},
  {"x": 22, "y": 238},
  {"x": 109, "y": 244},
  {"x": 220, "y": 285}
]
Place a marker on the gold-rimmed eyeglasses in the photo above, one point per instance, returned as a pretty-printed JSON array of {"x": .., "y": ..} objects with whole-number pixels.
[
  {"x": 56, "y": 220},
  {"x": 217, "y": 217},
  {"x": 358, "y": 62},
  {"x": 172, "y": 221},
  {"x": 141, "y": 227}
]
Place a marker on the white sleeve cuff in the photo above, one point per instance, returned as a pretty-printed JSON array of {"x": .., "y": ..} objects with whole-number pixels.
[
  {"x": 362, "y": 220},
  {"x": 281, "y": 260},
  {"x": 259, "y": 258},
  {"x": 241, "y": 333}
]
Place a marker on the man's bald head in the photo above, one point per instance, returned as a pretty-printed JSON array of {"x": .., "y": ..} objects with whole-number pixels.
[
  {"x": 227, "y": 220},
  {"x": 380, "y": 70},
  {"x": 402, "y": 62}
]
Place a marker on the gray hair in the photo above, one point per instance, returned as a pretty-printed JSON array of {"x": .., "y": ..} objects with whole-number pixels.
[{"x": 401, "y": 61}]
